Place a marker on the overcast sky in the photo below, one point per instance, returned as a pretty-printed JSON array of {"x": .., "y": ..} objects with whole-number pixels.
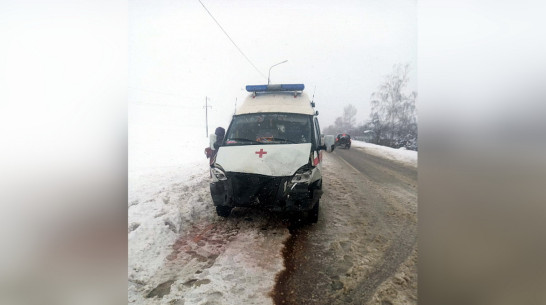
[{"x": 178, "y": 55}]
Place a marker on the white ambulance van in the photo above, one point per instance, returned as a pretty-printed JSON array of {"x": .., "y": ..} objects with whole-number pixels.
[{"x": 271, "y": 154}]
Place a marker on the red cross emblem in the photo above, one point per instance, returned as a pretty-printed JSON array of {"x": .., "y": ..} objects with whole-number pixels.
[{"x": 261, "y": 152}]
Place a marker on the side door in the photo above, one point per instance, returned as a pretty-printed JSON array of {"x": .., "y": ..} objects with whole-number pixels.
[{"x": 317, "y": 154}]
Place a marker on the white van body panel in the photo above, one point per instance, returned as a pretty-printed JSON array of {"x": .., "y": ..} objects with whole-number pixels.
[
  {"x": 317, "y": 162},
  {"x": 276, "y": 160},
  {"x": 277, "y": 102}
]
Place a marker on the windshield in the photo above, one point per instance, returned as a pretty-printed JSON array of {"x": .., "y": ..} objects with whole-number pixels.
[{"x": 269, "y": 128}]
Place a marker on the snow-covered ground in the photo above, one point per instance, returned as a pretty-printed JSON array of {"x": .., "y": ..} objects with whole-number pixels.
[{"x": 408, "y": 157}]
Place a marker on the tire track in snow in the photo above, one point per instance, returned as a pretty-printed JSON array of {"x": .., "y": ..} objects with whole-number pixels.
[
  {"x": 212, "y": 260},
  {"x": 366, "y": 234},
  {"x": 215, "y": 261}
]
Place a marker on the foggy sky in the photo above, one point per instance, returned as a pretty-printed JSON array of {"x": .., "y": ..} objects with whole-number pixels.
[{"x": 179, "y": 55}]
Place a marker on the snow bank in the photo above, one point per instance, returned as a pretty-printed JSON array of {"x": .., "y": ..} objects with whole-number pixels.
[
  {"x": 163, "y": 157},
  {"x": 408, "y": 157}
]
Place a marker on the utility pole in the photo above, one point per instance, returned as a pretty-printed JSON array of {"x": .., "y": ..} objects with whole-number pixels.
[{"x": 207, "y": 116}]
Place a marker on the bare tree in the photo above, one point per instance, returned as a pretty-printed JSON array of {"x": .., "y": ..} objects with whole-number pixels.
[
  {"x": 349, "y": 120},
  {"x": 393, "y": 111},
  {"x": 338, "y": 124},
  {"x": 335, "y": 128},
  {"x": 345, "y": 123}
]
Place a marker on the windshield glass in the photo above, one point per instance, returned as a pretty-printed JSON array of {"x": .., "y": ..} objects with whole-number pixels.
[{"x": 269, "y": 128}]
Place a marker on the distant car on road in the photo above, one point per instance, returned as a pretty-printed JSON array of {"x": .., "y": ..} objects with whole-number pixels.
[{"x": 343, "y": 140}]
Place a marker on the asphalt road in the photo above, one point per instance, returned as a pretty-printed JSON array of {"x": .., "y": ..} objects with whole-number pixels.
[{"x": 363, "y": 250}]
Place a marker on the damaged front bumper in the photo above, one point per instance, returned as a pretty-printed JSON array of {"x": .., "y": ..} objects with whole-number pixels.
[{"x": 279, "y": 194}]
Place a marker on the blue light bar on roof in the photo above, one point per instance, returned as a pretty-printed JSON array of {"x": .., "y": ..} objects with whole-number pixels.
[
  {"x": 292, "y": 87},
  {"x": 256, "y": 88},
  {"x": 281, "y": 87}
]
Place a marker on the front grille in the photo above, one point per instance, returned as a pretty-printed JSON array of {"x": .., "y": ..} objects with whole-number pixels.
[{"x": 250, "y": 189}]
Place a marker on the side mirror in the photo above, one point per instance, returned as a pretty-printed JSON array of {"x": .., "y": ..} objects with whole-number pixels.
[{"x": 212, "y": 140}]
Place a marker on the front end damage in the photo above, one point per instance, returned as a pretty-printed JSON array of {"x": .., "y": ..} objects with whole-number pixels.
[{"x": 280, "y": 194}]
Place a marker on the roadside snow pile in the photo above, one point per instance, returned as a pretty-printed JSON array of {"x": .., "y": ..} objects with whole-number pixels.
[
  {"x": 408, "y": 157},
  {"x": 156, "y": 217},
  {"x": 167, "y": 173},
  {"x": 164, "y": 162}
]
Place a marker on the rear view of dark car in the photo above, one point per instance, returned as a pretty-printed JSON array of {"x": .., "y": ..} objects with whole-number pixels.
[{"x": 343, "y": 140}]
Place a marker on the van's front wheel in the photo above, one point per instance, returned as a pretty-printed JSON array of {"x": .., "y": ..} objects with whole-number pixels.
[
  {"x": 312, "y": 216},
  {"x": 223, "y": 211}
]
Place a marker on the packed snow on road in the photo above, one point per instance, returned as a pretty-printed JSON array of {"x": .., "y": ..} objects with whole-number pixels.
[{"x": 180, "y": 251}]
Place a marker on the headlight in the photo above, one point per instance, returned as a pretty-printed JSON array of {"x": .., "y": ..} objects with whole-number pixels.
[
  {"x": 218, "y": 174},
  {"x": 302, "y": 175}
]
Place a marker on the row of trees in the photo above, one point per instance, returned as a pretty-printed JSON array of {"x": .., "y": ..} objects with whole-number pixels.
[{"x": 393, "y": 116}]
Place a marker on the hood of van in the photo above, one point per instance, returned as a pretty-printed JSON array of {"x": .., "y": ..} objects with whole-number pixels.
[{"x": 271, "y": 160}]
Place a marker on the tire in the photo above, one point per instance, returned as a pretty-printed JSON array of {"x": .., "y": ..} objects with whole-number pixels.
[
  {"x": 348, "y": 146},
  {"x": 223, "y": 211},
  {"x": 312, "y": 215}
]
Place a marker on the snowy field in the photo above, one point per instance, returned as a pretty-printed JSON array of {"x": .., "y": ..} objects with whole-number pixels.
[{"x": 180, "y": 252}]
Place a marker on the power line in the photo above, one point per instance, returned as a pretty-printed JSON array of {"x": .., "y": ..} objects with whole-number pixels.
[
  {"x": 153, "y": 103},
  {"x": 246, "y": 57},
  {"x": 165, "y": 93}
]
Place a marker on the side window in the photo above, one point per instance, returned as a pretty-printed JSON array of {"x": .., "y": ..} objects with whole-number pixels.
[{"x": 317, "y": 133}]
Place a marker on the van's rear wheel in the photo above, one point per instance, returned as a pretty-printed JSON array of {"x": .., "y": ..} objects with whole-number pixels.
[
  {"x": 223, "y": 211},
  {"x": 312, "y": 216}
]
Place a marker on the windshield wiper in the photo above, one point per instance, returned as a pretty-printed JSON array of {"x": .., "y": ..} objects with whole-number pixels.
[
  {"x": 279, "y": 139},
  {"x": 243, "y": 139}
]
